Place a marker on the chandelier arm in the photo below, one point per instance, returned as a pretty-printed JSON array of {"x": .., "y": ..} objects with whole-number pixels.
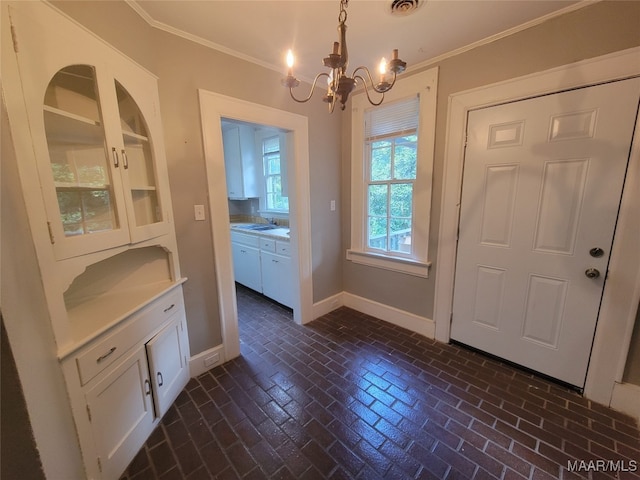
[
  {"x": 313, "y": 86},
  {"x": 366, "y": 88}
]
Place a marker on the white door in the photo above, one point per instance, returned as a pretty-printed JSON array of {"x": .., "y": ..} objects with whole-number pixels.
[{"x": 542, "y": 184}]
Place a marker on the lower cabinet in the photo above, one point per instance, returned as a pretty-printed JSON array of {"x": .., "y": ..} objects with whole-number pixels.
[
  {"x": 121, "y": 414},
  {"x": 276, "y": 278},
  {"x": 129, "y": 379},
  {"x": 246, "y": 266}
]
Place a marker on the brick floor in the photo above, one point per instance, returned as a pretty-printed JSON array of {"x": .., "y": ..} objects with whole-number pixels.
[{"x": 350, "y": 396}]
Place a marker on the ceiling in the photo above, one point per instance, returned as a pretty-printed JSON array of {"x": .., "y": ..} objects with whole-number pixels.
[{"x": 262, "y": 31}]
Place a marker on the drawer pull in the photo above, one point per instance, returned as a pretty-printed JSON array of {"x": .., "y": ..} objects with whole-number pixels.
[
  {"x": 169, "y": 307},
  {"x": 147, "y": 387},
  {"x": 102, "y": 357},
  {"x": 160, "y": 380}
]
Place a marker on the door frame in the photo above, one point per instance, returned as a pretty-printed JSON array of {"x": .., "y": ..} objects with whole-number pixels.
[
  {"x": 214, "y": 107},
  {"x": 617, "y": 314}
]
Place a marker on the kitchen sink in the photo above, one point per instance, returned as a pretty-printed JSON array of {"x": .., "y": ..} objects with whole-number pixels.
[{"x": 257, "y": 227}]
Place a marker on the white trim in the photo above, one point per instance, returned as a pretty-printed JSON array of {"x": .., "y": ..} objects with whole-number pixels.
[
  {"x": 601, "y": 374},
  {"x": 328, "y": 305},
  {"x": 626, "y": 399},
  {"x": 415, "y": 323},
  {"x": 197, "y": 365},
  {"x": 214, "y": 107},
  {"x": 395, "y": 264}
]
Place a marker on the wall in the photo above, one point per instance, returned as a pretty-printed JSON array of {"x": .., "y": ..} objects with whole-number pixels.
[
  {"x": 593, "y": 30},
  {"x": 632, "y": 368},
  {"x": 183, "y": 67}
]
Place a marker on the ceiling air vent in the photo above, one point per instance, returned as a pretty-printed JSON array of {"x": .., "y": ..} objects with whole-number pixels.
[{"x": 404, "y": 7}]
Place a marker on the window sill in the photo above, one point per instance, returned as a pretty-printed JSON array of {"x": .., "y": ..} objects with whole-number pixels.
[{"x": 395, "y": 264}]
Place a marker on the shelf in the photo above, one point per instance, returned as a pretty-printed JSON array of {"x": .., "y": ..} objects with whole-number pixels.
[
  {"x": 65, "y": 127},
  {"x": 79, "y": 186},
  {"x": 130, "y": 135},
  {"x": 142, "y": 188},
  {"x": 94, "y": 317}
]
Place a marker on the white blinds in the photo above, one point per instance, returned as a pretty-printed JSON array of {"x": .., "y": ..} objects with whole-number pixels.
[{"x": 393, "y": 119}]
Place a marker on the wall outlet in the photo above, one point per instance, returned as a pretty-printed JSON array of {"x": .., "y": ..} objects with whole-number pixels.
[
  {"x": 198, "y": 212},
  {"x": 212, "y": 360}
]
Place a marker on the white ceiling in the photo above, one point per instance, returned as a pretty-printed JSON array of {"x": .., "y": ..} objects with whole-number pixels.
[{"x": 262, "y": 31}]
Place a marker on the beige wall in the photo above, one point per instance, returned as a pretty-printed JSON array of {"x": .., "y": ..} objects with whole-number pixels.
[
  {"x": 589, "y": 32},
  {"x": 632, "y": 369},
  {"x": 183, "y": 67}
]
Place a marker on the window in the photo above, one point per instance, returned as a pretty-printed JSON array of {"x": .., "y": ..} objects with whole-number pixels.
[
  {"x": 391, "y": 141},
  {"x": 392, "y": 163},
  {"x": 275, "y": 200}
]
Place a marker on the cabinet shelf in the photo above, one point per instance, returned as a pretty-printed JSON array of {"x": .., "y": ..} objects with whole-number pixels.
[
  {"x": 133, "y": 136},
  {"x": 65, "y": 127},
  {"x": 143, "y": 188},
  {"x": 98, "y": 314},
  {"x": 74, "y": 187}
]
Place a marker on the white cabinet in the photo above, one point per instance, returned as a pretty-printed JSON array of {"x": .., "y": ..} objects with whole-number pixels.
[
  {"x": 246, "y": 260},
  {"x": 120, "y": 410},
  {"x": 242, "y": 165},
  {"x": 97, "y": 140},
  {"x": 276, "y": 278},
  {"x": 263, "y": 264},
  {"x": 130, "y": 378},
  {"x": 89, "y": 152}
]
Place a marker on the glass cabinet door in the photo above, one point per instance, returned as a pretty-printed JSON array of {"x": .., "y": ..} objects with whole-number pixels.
[
  {"x": 80, "y": 160},
  {"x": 138, "y": 161}
]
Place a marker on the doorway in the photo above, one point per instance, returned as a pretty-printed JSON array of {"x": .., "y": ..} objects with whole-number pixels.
[
  {"x": 542, "y": 185},
  {"x": 213, "y": 108}
]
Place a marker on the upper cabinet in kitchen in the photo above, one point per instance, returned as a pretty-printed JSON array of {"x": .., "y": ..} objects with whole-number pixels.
[
  {"x": 242, "y": 165},
  {"x": 97, "y": 140}
]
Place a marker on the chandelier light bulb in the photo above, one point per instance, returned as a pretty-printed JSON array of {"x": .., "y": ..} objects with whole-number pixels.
[
  {"x": 290, "y": 61},
  {"x": 382, "y": 68}
]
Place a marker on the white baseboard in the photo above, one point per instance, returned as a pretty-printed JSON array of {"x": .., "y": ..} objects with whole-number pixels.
[
  {"x": 206, "y": 360},
  {"x": 626, "y": 399},
  {"x": 422, "y": 325},
  {"x": 328, "y": 305}
]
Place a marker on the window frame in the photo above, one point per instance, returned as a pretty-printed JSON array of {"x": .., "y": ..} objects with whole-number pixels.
[
  {"x": 261, "y": 137},
  {"x": 417, "y": 263}
]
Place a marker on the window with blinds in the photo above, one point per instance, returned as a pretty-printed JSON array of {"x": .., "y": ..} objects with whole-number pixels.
[{"x": 391, "y": 143}]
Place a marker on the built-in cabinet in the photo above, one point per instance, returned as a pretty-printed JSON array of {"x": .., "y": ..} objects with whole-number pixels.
[
  {"x": 263, "y": 264},
  {"x": 242, "y": 166},
  {"x": 86, "y": 124}
]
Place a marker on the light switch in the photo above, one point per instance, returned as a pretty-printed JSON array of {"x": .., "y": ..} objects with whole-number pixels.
[
  {"x": 198, "y": 211},
  {"x": 333, "y": 205}
]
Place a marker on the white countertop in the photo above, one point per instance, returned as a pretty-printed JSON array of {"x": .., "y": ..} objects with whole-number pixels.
[{"x": 280, "y": 233}]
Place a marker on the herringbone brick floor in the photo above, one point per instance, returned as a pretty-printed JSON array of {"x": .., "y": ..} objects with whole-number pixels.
[{"x": 350, "y": 396}]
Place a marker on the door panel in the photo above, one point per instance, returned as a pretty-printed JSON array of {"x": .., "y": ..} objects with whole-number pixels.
[{"x": 541, "y": 187}]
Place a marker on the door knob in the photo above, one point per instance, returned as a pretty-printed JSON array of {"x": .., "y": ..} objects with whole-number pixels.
[{"x": 592, "y": 272}]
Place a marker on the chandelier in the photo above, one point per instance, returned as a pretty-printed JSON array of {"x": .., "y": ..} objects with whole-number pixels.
[{"x": 339, "y": 84}]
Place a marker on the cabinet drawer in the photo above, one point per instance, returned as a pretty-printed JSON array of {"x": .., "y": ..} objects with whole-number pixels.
[
  {"x": 107, "y": 350},
  {"x": 283, "y": 248},
  {"x": 244, "y": 239},
  {"x": 267, "y": 245}
]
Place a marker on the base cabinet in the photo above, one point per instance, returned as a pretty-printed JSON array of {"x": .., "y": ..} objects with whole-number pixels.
[
  {"x": 246, "y": 266},
  {"x": 120, "y": 410},
  {"x": 140, "y": 370},
  {"x": 276, "y": 278}
]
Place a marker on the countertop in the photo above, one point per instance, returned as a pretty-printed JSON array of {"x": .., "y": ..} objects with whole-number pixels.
[{"x": 278, "y": 233}]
